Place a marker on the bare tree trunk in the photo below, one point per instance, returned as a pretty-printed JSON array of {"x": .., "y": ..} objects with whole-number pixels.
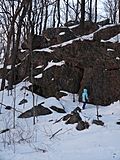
[
  {"x": 77, "y": 11},
  {"x": 119, "y": 9},
  {"x": 41, "y": 21},
  {"x": 54, "y": 12},
  {"x": 6, "y": 61},
  {"x": 30, "y": 38},
  {"x": 67, "y": 11},
  {"x": 97, "y": 108},
  {"x": 82, "y": 14},
  {"x": 95, "y": 11},
  {"x": 46, "y": 16},
  {"x": 90, "y": 14},
  {"x": 58, "y": 11},
  {"x": 115, "y": 11}
]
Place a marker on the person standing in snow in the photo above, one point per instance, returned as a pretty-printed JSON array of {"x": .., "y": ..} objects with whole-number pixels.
[{"x": 85, "y": 98}]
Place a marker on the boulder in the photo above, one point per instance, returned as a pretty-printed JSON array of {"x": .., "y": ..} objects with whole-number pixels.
[
  {"x": 89, "y": 27},
  {"x": 107, "y": 32},
  {"x": 98, "y": 122},
  {"x": 23, "y": 101},
  {"x": 73, "y": 118},
  {"x": 58, "y": 35},
  {"x": 82, "y": 125},
  {"x": 59, "y": 110},
  {"x": 39, "y": 110}
]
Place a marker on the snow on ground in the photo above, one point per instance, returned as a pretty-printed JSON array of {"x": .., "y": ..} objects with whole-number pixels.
[{"x": 28, "y": 141}]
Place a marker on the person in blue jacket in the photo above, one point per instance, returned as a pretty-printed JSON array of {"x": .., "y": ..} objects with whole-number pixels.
[{"x": 85, "y": 98}]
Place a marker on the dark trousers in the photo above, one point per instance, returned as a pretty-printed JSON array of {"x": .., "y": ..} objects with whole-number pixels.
[{"x": 84, "y": 104}]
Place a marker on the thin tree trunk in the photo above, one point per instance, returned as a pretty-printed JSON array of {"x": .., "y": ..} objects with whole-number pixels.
[
  {"x": 119, "y": 9},
  {"x": 95, "y": 11},
  {"x": 66, "y": 17},
  {"x": 41, "y": 21},
  {"x": 77, "y": 11},
  {"x": 82, "y": 14},
  {"x": 30, "y": 38},
  {"x": 6, "y": 61},
  {"x": 90, "y": 14},
  {"x": 54, "y": 12},
  {"x": 58, "y": 10},
  {"x": 46, "y": 17}
]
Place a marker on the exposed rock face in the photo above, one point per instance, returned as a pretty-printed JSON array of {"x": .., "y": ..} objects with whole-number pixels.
[
  {"x": 58, "y": 35},
  {"x": 89, "y": 27},
  {"x": 58, "y": 78},
  {"x": 38, "y": 42},
  {"x": 107, "y": 33},
  {"x": 90, "y": 64}
]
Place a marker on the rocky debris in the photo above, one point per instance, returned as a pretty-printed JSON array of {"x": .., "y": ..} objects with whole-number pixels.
[
  {"x": 59, "y": 110},
  {"x": 74, "y": 117},
  {"x": 77, "y": 109},
  {"x": 82, "y": 125},
  {"x": 39, "y": 110},
  {"x": 98, "y": 122},
  {"x": 23, "y": 101},
  {"x": 66, "y": 117},
  {"x": 8, "y": 107},
  {"x": 107, "y": 32}
]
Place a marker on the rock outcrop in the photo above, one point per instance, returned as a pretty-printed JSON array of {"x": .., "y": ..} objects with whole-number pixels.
[
  {"x": 76, "y": 64},
  {"x": 107, "y": 32}
]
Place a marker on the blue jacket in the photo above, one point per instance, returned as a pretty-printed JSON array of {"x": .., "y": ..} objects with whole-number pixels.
[{"x": 84, "y": 95}]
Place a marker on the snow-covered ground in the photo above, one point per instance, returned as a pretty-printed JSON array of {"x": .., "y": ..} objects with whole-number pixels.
[{"x": 35, "y": 142}]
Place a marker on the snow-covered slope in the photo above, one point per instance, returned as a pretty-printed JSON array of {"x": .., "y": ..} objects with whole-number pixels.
[{"x": 35, "y": 142}]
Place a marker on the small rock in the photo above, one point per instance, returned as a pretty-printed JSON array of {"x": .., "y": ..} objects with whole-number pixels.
[
  {"x": 23, "y": 101},
  {"x": 98, "y": 122}
]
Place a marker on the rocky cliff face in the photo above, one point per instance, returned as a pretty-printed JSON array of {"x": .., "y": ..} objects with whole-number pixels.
[{"x": 75, "y": 64}]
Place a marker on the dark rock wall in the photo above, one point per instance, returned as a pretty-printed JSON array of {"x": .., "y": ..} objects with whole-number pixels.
[
  {"x": 58, "y": 78},
  {"x": 107, "y": 33},
  {"x": 90, "y": 64}
]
